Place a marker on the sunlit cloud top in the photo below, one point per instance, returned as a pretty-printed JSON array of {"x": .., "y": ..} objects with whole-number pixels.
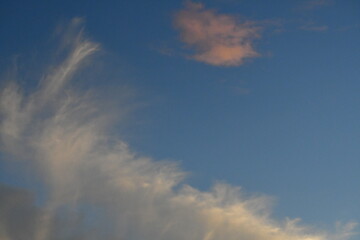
[{"x": 216, "y": 39}]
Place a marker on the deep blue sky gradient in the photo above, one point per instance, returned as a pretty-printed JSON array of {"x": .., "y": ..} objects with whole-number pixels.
[{"x": 284, "y": 124}]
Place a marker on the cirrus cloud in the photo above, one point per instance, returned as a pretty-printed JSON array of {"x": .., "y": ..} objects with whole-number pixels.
[{"x": 97, "y": 188}]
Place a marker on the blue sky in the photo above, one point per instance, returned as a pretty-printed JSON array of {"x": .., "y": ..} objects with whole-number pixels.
[{"x": 277, "y": 114}]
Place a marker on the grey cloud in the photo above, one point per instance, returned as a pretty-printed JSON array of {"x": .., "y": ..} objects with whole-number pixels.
[{"x": 18, "y": 213}]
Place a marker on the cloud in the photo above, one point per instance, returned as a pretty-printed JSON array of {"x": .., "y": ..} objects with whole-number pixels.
[
  {"x": 97, "y": 188},
  {"x": 18, "y": 213},
  {"x": 217, "y": 39}
]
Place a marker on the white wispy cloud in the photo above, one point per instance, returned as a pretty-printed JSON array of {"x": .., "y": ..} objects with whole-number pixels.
[
  {"x": 97, "y": 188},
  {"x": 217, "y": 39}
]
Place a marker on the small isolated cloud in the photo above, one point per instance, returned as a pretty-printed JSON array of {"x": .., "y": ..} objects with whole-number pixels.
[{"x": 217, "y": 39}]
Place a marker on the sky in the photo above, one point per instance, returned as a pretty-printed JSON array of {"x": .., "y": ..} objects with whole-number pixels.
[{"x": 209, "y": 120}]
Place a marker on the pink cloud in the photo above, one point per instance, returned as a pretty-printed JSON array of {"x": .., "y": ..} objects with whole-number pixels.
[{"x": 217, "y": 39}]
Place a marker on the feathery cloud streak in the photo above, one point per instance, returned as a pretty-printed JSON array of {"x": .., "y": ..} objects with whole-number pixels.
[
  {"x": 217, "y": 39},
  {"x": 99, "y": 189}
]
